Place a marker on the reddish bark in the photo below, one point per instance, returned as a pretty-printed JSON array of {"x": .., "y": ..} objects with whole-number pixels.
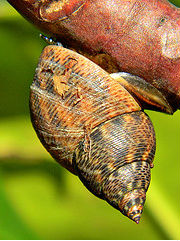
[{"x": 141, "y": 37}]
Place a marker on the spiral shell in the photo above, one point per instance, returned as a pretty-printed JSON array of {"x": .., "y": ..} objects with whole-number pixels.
[{"x": 93, "y": 127}]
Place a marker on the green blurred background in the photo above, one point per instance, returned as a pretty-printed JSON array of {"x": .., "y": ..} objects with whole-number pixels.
[{"x": 41, "y": 200}]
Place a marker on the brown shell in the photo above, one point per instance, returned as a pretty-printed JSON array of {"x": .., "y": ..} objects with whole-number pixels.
[
  {"x": 70, "y": 96},
  {"x": 92, "y": 126}
]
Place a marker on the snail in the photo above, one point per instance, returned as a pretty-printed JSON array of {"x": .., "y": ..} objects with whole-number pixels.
[{"x": 93, "y": 124}]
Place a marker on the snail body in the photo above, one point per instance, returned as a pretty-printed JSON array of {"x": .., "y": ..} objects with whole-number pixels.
[{"x": 93, "y": 127}]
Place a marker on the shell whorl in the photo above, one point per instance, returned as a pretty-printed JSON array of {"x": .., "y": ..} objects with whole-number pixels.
[
  {"x": 69, "y": 96},
  {"x": 114, "y": 162}
]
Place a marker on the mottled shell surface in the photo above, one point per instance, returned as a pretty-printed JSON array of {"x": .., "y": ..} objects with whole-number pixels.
[
  {"x": 70, "y": 96},
  {"x": 93, "y": 127}
]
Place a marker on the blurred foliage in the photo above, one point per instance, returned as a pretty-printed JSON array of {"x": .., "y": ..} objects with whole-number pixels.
[{"x": 41, "y": 200}]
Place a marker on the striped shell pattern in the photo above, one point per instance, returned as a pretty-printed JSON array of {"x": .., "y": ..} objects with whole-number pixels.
[{"x": 93, "y": 127}]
